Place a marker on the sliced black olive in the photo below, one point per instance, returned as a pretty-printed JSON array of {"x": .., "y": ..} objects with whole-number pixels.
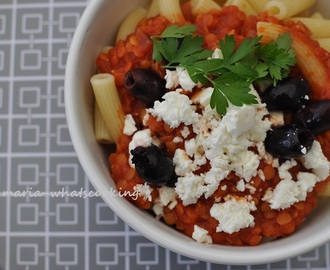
[
  {"x": 290, "y": 94},
  {"x": 153, "y": 166},
  {"x": 289, "y": 141},
  {"x": 314, "y": 116},
  {"x": 146, "y": 85}
]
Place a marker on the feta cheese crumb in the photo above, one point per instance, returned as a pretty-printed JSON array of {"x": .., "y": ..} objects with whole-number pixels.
[
  {"x": 167, "y": 196},
  {"x": 182, "y": 162},
  {"x": 189, "y": 188},
  {"x": 284, "y": 195},
  {"x": 174, "y": 110},
  {"x": 158, "y": 209},
  {"x": 217, "y": 54},
  {"x": 129, "y": 125},
  {"x": 184, "y": 79},
  {"x": 283, "y": 170},
  {"x": 233, "y": 215},
  {"x": 185, "y": 132},
  {"x": 201, "y": 235},
  {"x": 316, "y": 161},
  {"x": 144, "y": 191},
  {"x": 172, "y": 79},
  {"x": 238, "y": 121},
  {"x": 240, "y": 185}
]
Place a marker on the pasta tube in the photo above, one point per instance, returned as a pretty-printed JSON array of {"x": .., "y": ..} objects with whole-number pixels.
[
  {"x": 130, "y": 22},
  {"x": 320, "y": 28},
  {"x": 258, "y": 5},
  {"x": 324, "y": 43},
  {"x": 283, "y": 9},
  {"x": 244, "y": 6},
  {"x": 203, "y": 6},
  {"x": 317, "y": 15},
  {"x": 153, "y": 9},
  {"x": 171, "y": 9},
  {"x": 101, "y": 131},
  {"x": 326, "y": 192},
  {"x": 108, "y": 101},
  {"x": 310, "y": 65}
]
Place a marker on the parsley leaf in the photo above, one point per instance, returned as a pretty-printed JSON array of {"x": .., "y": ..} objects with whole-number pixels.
[
  {"x": 232, "y": 76},
  {"x": 279, "y": 56}
]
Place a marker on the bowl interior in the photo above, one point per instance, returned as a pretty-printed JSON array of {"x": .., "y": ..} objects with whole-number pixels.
[{"x": 96, "y": 29}]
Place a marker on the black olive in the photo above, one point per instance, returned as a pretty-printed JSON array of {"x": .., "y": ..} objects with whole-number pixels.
[
  {"x": 290, "y": 94},
  {"x": 153, "y": 166},
  {"x": 289, "y": 141},
  {"x": 314, "y": 116},
  {"x": 146, "y": 85}
]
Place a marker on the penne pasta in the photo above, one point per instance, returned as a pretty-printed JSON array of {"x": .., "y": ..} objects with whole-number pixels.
[
  {"x": 108, "y": 101},
  {"x": 258, "y": 5},
  {"x": 283, "y": 9},
  {"x": 228, "y": 3},
  {"x": 129, "y": 24},
  {"x": 171, "y": 9},
  {"x": 106, "y": 49},
  {"x": 153, "y": 9},
  {"x": 310, "y": 65},
  {"x": 324, "y": 43},
  {"x": 244, "y": 6},
  {"x": 101, "y": 131},
  {"x": 326, "y": 192},
  {"x": 203, "y": 6},
  {"x": 320, "y": 28},
  {"x": 317, "y": 15}
]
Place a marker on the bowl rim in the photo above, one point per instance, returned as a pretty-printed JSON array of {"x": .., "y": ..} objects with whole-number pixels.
[{"x": 161, "y": 233}]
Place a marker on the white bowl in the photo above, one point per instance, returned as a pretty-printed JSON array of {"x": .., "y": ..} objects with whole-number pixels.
[{"x": 97, "y": 28}]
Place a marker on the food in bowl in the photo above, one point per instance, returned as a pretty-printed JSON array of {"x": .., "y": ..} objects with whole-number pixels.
[{"x": 219, "y": 115}]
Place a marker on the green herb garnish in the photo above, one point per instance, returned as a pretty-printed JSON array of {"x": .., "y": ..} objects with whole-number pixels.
[{"x": 231, "y": 76}]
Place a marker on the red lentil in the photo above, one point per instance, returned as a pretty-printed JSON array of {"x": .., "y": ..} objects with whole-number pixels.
[{"x": 136, "y": 51}]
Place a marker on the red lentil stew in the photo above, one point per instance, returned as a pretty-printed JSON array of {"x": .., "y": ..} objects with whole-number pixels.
[{"x": 205, "y": 215}]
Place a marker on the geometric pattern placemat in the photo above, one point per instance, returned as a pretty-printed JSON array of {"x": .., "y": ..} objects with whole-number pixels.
[{"x": 36, "y": 154}]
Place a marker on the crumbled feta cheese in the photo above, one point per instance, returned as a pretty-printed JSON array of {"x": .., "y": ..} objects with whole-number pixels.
[
  {"x": 189, "y": 188},
  {"x": 277, "y": 118},
  {"x": 177, "y": 139},
  {"x": 185, "y": 132},
  {"x": 184, "y": 79},
  {"x": 212, "y": 180},
  {"x": 191, "y": 147},
  {"x": 316, "y": 161},
  {"x": 284, "y": 195},
  {"x": 246, "y": 165},
  {"x": 203, "y": 97},
  {"x": 129, "y": 125},
  {"x": 240, "y": 185},
  {"x": 287, "y": 192},
  {"x": 233, "y": 215},
  {"x": 201, "y": 235},
  {"x": 174, "y": 110},
  {"x": 167, "y": 196},
  {"x": 158, "y": 209},
  {"x": 239, "y": 120},
  {"x": 144, "y": 191},
  {"x": 217, "y": 54},
  {"x": 306, "y": 183},
  {"x": 283, "y": 170},
  {"x": 172, "y": 79},
  {"x": 182, "y": 162}
]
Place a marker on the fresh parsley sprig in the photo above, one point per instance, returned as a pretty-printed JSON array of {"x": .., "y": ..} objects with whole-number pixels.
[{"x": 232, "y": 75}]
